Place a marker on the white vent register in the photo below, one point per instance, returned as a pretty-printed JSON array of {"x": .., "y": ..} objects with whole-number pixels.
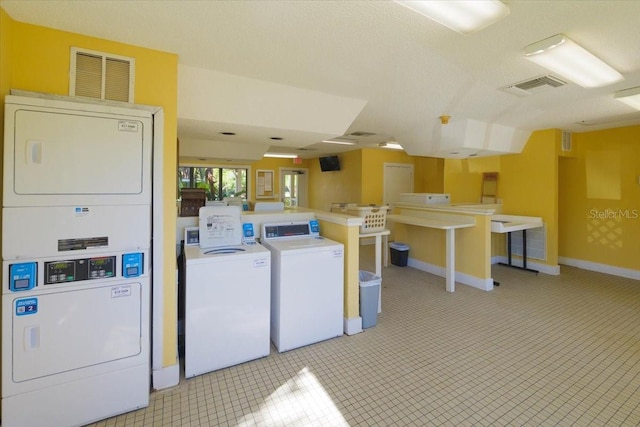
[{"x": 101, "y": 75}]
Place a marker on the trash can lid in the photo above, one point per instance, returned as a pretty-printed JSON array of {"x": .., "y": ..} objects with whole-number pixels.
[
  {"x": 368, "y": 279},
  {"x": 399, "y": 246}
]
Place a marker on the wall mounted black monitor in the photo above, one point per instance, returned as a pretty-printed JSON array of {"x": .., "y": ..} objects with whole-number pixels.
[{"x": 329, "y": 163}]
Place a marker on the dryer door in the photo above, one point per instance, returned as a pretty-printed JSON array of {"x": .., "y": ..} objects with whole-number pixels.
[
  {"x": 57, "y": 157},
  {"x": 71, "y": 330}
]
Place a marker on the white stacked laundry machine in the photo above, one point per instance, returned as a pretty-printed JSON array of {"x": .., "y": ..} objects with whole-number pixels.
[{"x": 76, "y": 235}]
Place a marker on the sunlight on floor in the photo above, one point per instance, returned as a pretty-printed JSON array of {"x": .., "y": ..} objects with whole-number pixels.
[{"x": 312, "y": 402}]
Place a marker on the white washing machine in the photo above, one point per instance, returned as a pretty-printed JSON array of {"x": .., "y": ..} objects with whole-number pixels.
[
  {"x": 307, "y": 284},
  {"x": 227, "y": 294}
]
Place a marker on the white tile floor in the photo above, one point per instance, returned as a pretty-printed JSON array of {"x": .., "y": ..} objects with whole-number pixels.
[{"x": 537, "y": 351}]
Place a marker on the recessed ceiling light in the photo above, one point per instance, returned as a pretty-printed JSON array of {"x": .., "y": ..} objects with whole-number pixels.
[
  {"x": 462, "y": 16},
  {"x": 390, "y": 144},
  {"x": 562, "y": 55},
  {"x": 630, "y": 97},
  {"x": 281, "y": 155},
  {"x": 227, "y": 133},
  {"x": 339, "y": 141}
]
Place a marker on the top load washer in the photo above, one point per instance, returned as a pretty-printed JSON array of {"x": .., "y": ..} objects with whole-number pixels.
[
  {"x": 307, "y": 284},
  {"x": 227, "y": 293}
]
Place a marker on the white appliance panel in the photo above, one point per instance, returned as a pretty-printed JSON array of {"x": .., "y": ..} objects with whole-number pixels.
[
  {"x": 32, "y": 232},
  {"x": 307, "y": 292},
  {"x": 86, "y": 142},
  {"x": 93, "y": 399},
  {"x": 227, "y": 308},
  {"x": 56, "y": 340}
]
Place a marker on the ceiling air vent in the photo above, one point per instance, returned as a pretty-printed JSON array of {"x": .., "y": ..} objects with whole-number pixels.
[
  {"x": 101, "y": 75},
  {"x": 535, "y": 85},
  {"x": 361, "y": 133}
]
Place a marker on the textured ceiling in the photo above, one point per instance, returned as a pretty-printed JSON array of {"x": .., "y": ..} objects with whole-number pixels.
[{"x": 408, "y": 69}]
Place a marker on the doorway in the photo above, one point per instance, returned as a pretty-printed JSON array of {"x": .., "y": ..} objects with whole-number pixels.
[
  {"x": 293, "y": 187},
  {"x": 398, "y": 178}
]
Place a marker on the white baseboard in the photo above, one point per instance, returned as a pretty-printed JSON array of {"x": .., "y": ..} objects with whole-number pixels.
[
  {"x": 465, "y": 279},
  {"x": 165, "y": 377},
  {"x": 601, "y": 268},
  {"x": 353, "y": 325},
  {"x": 552, "y": 270}
]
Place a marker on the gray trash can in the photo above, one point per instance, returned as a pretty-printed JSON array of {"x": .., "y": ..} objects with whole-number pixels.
[
  {"x": 399, "y": 253},
  {"x": 369, "y": 292}
]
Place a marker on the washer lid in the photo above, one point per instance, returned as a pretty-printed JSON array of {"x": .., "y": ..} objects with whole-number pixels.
[{"x": 220, "y": 226}]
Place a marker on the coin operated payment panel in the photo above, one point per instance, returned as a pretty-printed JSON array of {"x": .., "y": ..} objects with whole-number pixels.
[{"x": 24, "y": 276}]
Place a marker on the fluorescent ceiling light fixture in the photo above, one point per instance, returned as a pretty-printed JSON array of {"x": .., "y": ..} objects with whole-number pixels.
[
  {"x": 391, "y": 144},
  {"x": 567, "y": 58},
  {"x": 281, "y": 155},
  {"x": 339, "y": 141},
  {"x": 462, "y": 16},
  {"x": 629, "y": 96}
]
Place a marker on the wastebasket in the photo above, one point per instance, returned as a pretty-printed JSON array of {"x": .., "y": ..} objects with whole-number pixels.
[
  {"x": 399, "y": 253},
  {"x": 369, "y": 293}
]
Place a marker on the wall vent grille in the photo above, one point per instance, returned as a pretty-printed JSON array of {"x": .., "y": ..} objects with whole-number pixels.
[
  {"x": 566, "y": 141},
  {"x": 101, "y": 75}
]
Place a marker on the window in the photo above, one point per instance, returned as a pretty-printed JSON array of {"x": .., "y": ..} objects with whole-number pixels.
[{"x": 218, "y": 182}]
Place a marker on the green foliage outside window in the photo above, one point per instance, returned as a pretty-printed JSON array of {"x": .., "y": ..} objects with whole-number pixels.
[{"x": 217, "y": 182}]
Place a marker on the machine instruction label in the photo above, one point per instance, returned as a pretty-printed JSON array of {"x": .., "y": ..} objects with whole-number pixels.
[
  {"x": 121, "y": 291},
  {"x": 80, "y": 211},
  {"x": 26, "y": 306},
  {"x": 262, "y": 262},
  {"x": 337, "y": 253},
  {"x": 128, "y": 126}
]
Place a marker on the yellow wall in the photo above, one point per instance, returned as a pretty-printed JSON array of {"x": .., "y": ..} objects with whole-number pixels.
[
  {"x": 599, "y": 192},
  {"x": 349, "y": 237},
  {"x": 343, "y": 186},
  {"x": 429, "y": 175},
  {"x": 528, "y": 184},
  {"x": 273, "y": 164},
  {"x": 37, "y": 59},
  {"x": 373, "y": 160},
  {"x": 361, "y": 178},
  {"x": 464, "y": 177}
]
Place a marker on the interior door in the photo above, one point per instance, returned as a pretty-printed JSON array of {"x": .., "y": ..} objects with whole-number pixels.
[
  {"x": 398, "y": 178},
  {"x": 293, "y": 187}
]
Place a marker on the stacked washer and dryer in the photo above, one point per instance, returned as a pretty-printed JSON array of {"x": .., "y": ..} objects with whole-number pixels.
[{"x": 76, "y": 236}]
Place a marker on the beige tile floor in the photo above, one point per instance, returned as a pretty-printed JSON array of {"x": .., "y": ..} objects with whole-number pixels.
[{"x": 539, "y": 350}]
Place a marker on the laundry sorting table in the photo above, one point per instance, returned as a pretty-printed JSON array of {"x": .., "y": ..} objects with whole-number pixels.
[
  {"x": 449, "y": 225},
  {"x": 510, "y": 223}
]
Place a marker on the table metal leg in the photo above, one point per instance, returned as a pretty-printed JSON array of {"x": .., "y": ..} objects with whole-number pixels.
[{"x": 450, "y": 269}]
